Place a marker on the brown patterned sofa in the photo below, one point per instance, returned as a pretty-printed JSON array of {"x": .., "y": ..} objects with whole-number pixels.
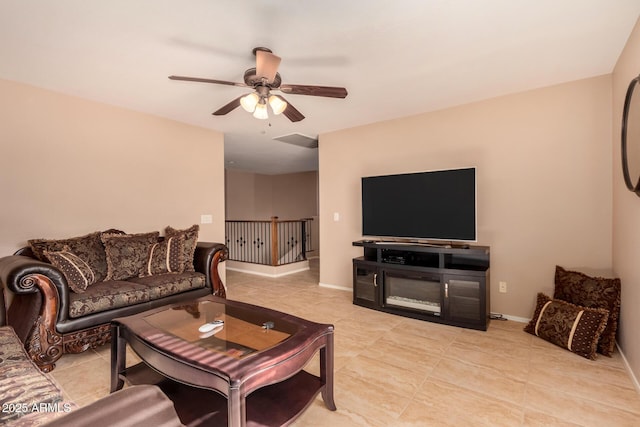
[
  {"x": 30, "y": 397},
  {"x": 67, "y": 291}
]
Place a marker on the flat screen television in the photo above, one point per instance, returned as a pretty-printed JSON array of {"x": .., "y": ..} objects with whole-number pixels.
[{"x": 433, "y": 205}]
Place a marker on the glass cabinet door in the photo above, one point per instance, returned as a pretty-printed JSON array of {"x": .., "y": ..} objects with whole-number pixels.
[
  {"x": 463, "y": 298},
  {"x": 365, "y": 284}
]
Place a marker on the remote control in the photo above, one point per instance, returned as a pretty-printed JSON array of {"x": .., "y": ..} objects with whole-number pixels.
[{"x": 210, "y": 326}]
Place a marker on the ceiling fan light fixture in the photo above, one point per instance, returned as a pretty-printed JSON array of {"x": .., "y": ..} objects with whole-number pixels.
[
  {"x": 250, "y": 102},
  {"x": 277, "y": 104},
  {"x": 261, "y": 111}
]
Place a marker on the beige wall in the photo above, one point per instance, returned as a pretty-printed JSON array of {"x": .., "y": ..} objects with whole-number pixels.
[
  {"x": 252, "y": 196},
  {"x": 295, "y": 195},
  {"x": 72, "y": 166},
  {"x": 544, "y": 181},
  {"x": 240, "y": 194},
  {"x": 626, "y": 213}
]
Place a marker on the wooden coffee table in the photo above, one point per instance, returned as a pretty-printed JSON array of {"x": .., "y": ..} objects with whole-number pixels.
[{"x": 249, "y": 372}]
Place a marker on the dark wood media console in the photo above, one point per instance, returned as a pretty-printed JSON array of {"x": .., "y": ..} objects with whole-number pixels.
[{"x": 436, "y": 282}]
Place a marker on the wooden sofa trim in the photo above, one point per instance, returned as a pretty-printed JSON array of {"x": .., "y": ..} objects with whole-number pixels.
[{"x": 44, "y": 345}]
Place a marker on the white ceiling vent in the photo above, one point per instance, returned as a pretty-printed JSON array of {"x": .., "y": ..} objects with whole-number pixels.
[{"x": 298, "y": 139}]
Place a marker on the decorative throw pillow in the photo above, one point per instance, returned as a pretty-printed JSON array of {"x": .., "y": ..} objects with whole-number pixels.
[
  {"x": 567, "y": 325},
  {"x": 78, "y": 273},
  {"x": 88, "y": 247},
  {"x": 127, "y": 254},
  {"x": 190, "y": 242},
  {"x": 166, "y": 256},
  {"x": 593, "y": 292}
]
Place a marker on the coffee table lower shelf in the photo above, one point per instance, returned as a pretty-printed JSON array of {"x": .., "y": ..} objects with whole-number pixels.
[{"x": 274, "y": 405}]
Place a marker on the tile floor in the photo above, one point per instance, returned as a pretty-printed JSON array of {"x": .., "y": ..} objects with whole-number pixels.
[{"x": 394, "y": 371}]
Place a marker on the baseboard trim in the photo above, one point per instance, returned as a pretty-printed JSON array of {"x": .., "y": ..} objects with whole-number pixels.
[
  {"x": 267, "y": 270},
  {"x": 632, "y": 375},
  {"x": 330, "y": 286},
  {"x": 516, "y": 318}
]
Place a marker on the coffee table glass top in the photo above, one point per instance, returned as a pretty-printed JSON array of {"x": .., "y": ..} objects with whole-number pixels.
[{"x": 244, "y": 332}]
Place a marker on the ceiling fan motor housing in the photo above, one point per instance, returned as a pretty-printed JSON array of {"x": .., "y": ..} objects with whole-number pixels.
[{"x": 252, "y": 79}]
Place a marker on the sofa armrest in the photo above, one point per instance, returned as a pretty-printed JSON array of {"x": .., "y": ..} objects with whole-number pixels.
[
  {"x": 207, "y": 258},
  {"x": 131, "y": 407},
  {"x": 24, "y": 275},
  {"x": 41, "y": 299},
  {"x": 15, "y": 270}
]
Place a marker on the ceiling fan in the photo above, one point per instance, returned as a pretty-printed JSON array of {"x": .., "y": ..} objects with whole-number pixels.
[{"x": 264, "y": 79}]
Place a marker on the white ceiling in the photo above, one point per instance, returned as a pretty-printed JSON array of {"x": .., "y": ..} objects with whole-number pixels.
[{"x": 396, "y": 58}]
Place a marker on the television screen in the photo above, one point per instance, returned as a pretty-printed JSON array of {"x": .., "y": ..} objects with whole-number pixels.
[{"x": 438, "y": 205}]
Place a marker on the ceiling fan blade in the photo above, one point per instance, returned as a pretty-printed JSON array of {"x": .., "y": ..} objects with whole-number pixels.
[
  {"x": 328, "y": 91},
  {"x": 201, "y": 80},
  {"x": 229, "y": 107},
  {"x": 267, "y": 65},
  {"x": 291, "y": 112}
]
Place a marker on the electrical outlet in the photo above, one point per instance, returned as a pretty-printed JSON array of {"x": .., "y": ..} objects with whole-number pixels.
[
  {"x": 206, "y": 219},
  {"x": 503, "y": 287}
]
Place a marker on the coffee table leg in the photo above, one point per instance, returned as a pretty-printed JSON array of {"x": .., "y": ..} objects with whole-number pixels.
[
  {"x": 236, "y": 408},
  {"x": 118, "y": 358},
  {"x": 326, "y": 373}
]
